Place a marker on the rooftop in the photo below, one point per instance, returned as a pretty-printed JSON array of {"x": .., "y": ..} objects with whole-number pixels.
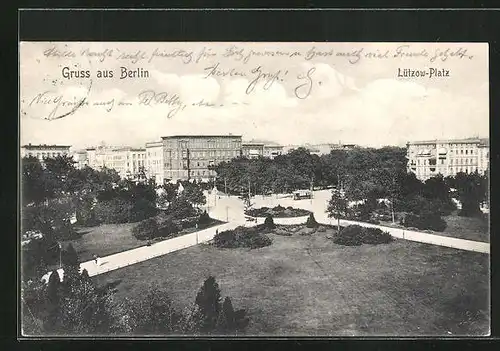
[
  {"x": 483, "y": 141},
  {"x": 201, "y": 136},
  {"x": 41, "y": 146}
]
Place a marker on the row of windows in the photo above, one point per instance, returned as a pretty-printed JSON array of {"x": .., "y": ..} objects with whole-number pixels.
[
  {"x": 46, "y": 154},
  {"x": 452, "y": 170},
  {"x": 466, "y": 161},
  {"x": 184, "y": 173},
  {"x": 211, "y": 153},
  {"x": 210, "y": 144}
]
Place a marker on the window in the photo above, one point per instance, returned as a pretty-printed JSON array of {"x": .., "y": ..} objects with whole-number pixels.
[{"x": 461, "y": 152}]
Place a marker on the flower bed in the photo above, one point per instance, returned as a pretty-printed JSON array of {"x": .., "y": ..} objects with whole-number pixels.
[{"x": 277, "y": 212}]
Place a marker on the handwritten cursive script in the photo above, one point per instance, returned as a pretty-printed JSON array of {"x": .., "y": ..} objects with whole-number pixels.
[{"x": 152, "y": 98}]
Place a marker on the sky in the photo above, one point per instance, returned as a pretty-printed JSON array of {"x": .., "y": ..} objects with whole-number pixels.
[{"x": 290, "y": 93}]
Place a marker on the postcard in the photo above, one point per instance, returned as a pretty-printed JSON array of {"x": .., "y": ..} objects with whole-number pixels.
[{"x": 254, "y": 189}]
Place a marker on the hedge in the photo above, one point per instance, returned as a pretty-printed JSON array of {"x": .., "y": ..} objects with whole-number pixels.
[
  {"x": 242, "y": 237},
  {"x": 355, "y": 235}
]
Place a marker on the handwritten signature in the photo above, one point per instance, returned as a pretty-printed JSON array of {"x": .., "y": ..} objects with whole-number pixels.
[{"x": 153, "y": 98}]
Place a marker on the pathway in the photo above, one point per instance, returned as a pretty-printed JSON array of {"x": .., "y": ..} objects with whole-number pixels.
[
  {"x": 231, "y": 209},
  {"x": 143, "y": 253}
]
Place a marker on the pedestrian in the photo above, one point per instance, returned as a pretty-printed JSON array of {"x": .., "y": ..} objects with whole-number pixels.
[
  {"x": 216, "y": 231},
  {"x": 95, "y": 258},
  {"x": 98, "y": 261}
]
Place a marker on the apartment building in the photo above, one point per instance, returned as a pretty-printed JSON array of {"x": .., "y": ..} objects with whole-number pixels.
[
  {"x": 320, "y": 149},
  {"x": 154, "y": 161},
  {"x": 255, "y": 149},
  {"x": 447, "y": 157},
  {"x": 252, "y": 150},
  {"x": 42, "y": 151},
  {"x": 80, "y": 157},
  {"x": 127, "y": 161},
  {"x": 190, "y": 156}
]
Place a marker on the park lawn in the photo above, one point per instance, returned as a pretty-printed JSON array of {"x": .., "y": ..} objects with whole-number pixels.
[
  {"x": 469, "y": 228},
  {"x": 307, "y": 285},
  {"x": 104, "y": 240},
  {"x": 109, "y": 239}
]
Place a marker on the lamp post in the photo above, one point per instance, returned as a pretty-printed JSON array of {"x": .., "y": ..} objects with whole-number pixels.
[{"x": 60, "y": 254}]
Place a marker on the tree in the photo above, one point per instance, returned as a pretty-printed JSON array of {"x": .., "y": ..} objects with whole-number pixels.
[
  {"x": 204, "y": 220},
  {"x": 53, "y": 298},
  {"x": 338, "y": 206},
  {"x": 85, "y": 309},
  {"x": 154, "y": 314},
  {"x": 71, "y": 266},
  {"x": 231, "y": 321},
  {"x": 208, "y": 302},
  {"x": 269, "y": 222},
  {"x": 194, "y": 195},
  {"x": 311, "y": 222},
  {"x": 472, "y": 190},
  {"x": 33, "y": 181},
  {"x": 181, "y": 208}
]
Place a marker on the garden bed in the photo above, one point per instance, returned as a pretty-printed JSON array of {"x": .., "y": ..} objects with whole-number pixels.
[{"x": 277, "y": 212}]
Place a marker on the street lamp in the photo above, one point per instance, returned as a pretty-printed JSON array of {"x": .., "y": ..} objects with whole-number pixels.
[{"x": 60, "y": 254}]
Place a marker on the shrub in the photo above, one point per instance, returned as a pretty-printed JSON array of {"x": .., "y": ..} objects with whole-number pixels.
[
  {"x": 146, "y": 229},
  {"x": 180, "y": 208},
  {"x": 169, "y": 228},
  {"x": 113, "y": 211},
  {"x": 242, "y": 237},
  {"x": 277, "y": 212},
  {"x": 311, "y": 222},
  {"x": 204, "y": 220},
  {"x": 351, "y": 235},
  {"x": 355, "y": 235},
  {"x": 208, "y": 301},
  {"x": 269, "y": 222},
  {"x": 430, "y": 221},
  {"x": 376, "y": 236},
  {"x": 279, "y": 208}
]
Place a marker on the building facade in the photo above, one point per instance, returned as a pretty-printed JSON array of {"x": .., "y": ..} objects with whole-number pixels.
[
  {"x": 320, "y": 149},
  {"x": 80, "y": 158},
  {"x": 190, "y": 156},
  {"x": 447, "y": 157},
  {"x": 256, "y": 149},
  {"x": 154, "y": 161},
  {"x": 252, "y": 150},
  {"x": 43, "y": 151},
  {"x": 127, "y": 161},
  {"x": 272, "y": 150}
]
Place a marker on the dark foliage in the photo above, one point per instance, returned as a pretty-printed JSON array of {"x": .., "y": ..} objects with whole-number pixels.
[
  {"x": 242, "y": 237},
  {"x": 277, "y": 212},
  {"x": 209, "y": 303},
  {"x": 311, "y": 222},
  {"x": 204, "y": 220},
  {"x": 431, "y": 221},
  {"x": 355, "y": 235},
  {"x": 269, "y": 222},
  {"x": 146, "y": 229}
]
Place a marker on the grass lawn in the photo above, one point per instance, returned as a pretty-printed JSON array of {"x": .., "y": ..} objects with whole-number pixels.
[
  {"x": 467, "y": 228},
  {"x": 104, "y": 240},
  {"x": 108, "y": 239},
  {"x": 307, "y": 285}
]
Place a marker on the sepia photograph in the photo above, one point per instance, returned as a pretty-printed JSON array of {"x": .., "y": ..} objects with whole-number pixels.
[{"x": 265, "y": 189}]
